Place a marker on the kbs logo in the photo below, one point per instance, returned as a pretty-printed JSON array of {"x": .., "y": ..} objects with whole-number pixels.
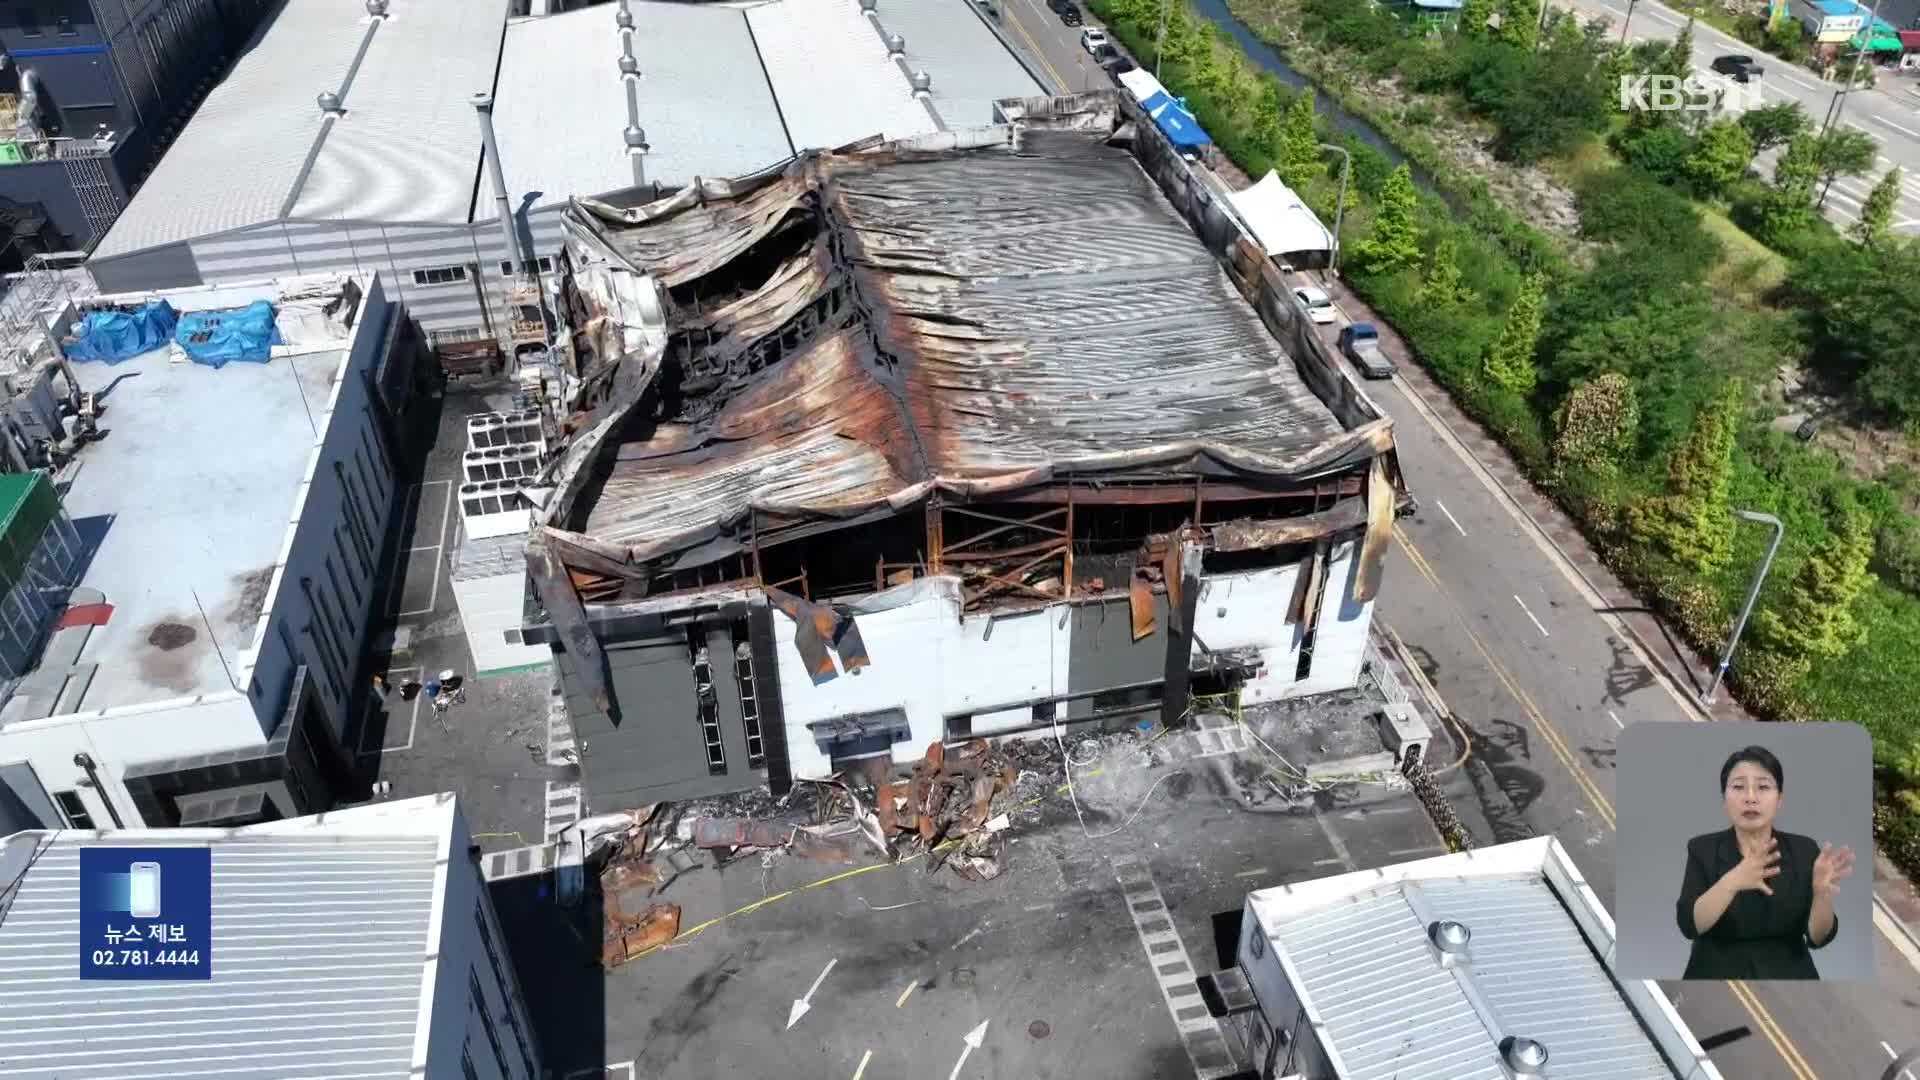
[{"x": 1670, "y": 93}]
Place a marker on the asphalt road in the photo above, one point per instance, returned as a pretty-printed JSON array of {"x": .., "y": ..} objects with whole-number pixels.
[
  {"x": 1889, "y": 113},
  {"x": 1052, "y": 47}
]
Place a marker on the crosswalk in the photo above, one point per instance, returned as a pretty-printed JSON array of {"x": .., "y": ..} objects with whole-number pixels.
[
  {"x": 566, "y": 800},
  {"x": 1206, "y": 1045}
]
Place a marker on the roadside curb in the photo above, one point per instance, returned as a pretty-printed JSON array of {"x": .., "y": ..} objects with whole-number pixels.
[{"x": 1678, "y": 681}]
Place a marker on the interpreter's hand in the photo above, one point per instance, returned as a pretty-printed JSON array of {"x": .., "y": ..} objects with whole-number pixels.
[
  {"x": 1831, "y": 867},
  {"x": 1756, "y": 868}
]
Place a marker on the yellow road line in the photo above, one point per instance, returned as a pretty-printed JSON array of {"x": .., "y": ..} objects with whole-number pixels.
[
  {"x": 1769, "y": 1027},
  {"x": 1039, "y": 53},
  {"x": 905, "y": 994}
]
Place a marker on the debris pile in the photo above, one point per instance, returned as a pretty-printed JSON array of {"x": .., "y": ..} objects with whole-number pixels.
[
  {"x": 948, "y": 805},
  {"x": 632, "y": 923}
]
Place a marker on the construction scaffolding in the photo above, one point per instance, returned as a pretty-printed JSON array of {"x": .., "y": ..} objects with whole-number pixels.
[{"x": 35, "y": 306}]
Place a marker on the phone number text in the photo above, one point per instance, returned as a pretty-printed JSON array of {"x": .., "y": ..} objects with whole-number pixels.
[{"x": 145, "y": 957}]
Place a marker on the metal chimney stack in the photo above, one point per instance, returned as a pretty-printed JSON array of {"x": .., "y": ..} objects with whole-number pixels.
[
  {"x": 483, "y": 105},
  {"x": 1524, "y": 1058},
  {"x": 1450, "y": 939}
]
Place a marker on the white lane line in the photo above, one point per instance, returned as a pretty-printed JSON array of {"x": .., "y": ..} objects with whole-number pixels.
[
  {"x": 1251, "y": 873},
  {"x": 1336, "y": 861},
  {"x": 1450, "y": 517},
  {"x": 1906, "y": 1073},
  {"x": 1424, "y": 849},
  {"x": 1907, "y": 224},
  {"x": 396, "y": 678},
  {"x": 1883, "y": 120},
  {"x": 1616, "y": 719},
  {"x": 862, "y": 1070},
  {"x": 1536, "y": 622},
  {"x": 439, "y": 548}
]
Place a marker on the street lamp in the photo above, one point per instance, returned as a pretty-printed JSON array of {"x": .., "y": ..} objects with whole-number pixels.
[
  {"x": 1753, "y": 594},
  {"x": 1340, "y": 207}
]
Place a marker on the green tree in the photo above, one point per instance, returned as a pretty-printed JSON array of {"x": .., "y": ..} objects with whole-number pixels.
[
  {"x": 1815, "y": 621},
  {"x": 1843, "y": 152},
  {"x": 1876, "y": 215},
  {"x": 1268, "y": 107},
  {"x": 1691, "y": 523},
  {"x": 1774, "y": 125},
  {"x": 1788, "y": 206},
  {"x": 1719, "y": 158},
  {"x": 1298, "y": 155},
  {"x": 1475, "y": 15},
  {"x": 1444, "y": 285},
  {"x": 1520, "y": 24},
  {"x": 1509, "y": 360},
  {"x": 1865, "y": 326},
  {"x": 1597, "y": 424},
  {"x": 1677, "y": 60},
  {"x": 1394, "y": 240}
]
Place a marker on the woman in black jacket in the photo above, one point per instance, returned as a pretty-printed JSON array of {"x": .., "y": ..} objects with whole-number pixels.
[{"x": 1755, "y": 900}]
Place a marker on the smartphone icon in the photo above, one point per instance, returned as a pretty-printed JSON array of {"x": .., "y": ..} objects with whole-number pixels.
[{"x": 144, "y": 891}]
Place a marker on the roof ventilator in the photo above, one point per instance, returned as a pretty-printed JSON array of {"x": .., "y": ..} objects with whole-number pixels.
[
  {"x": 922, "y": 83},
  {"x": 329, "y": 103},
  {"x": 377, "y": 8},
  {"x": 1524, "y": 1059},
  {"x": 896, "y": 45},
  {"x": 1450, "y": 940},
  {"x": 628, "y": 65},
  {"x": 869, "y": 6},
  {"x": 622, "y": 18}
]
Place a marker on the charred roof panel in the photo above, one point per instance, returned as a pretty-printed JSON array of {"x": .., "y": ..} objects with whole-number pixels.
[{"x": 862, "y": 327}]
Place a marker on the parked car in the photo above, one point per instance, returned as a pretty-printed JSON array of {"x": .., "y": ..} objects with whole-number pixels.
[
  {"x": 1093, "y": 41},
  {"x": 1068, "y": 11},
  {"x": 1071, "y": 17},
  {"x": 991, "y": 8},
  {"x": 1361, "y": 343},
  {"x": 1738, "y": 67},
  {"x": 1318, "y": 304},
  {"x": 1118, "y": 65}
]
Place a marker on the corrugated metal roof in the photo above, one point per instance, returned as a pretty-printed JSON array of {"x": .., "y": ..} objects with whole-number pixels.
[
  {"x": 1393, "y": 1013},
  {"x": 408, "y": 147},
  {"x": 240, "y": 156},
  {"x": 319, "y": 949},
  {"x": 705, "y": 103},
  {"x": 1025, "y": 314},
  {"x": 406, "y": 150},
  {"x": 970, "y": 68},
  {"x": 833, "y": 77}
]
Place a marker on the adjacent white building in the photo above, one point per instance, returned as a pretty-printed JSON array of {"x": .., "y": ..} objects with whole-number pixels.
[
  {"x": 357, "y": 943},
  {"x": 1482, "y": 965},
  {"x": 235, "y": 520}
]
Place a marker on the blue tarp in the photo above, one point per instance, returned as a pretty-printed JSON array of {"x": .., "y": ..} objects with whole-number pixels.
[
  {"x": 113, "y": 336},
  {"x": 1179, "y": 126},
  {"x": 217, "y": 338}
]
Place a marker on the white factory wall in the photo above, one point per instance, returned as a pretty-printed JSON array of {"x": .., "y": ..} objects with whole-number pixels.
[
  {"x": 119, "y": 738},
  {"x": 471, "y": 996},
  {"x": 322, "y": 597},
  {"x": 489, "y": 607},
  {"x": 930, "y": 664}
]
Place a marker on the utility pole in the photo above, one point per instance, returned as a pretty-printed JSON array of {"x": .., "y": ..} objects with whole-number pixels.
[
  {"x": 1628, "y": 21},
  {"x": 1753, "y": 594},
  {"x": 1840, "y": 99},
  {"x": 1160, "y": 43},
  {"x": 1339, "y": 208}
]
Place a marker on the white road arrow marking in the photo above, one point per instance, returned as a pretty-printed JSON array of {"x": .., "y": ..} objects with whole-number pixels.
[
  {"x": 974, "y": 1040},
  {"x": 801, "y": 1005}
]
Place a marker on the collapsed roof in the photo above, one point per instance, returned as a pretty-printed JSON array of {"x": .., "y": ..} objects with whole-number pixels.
[{"x": 997, "y": 315}]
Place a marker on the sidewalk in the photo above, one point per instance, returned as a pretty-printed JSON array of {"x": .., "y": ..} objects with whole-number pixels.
[{"x": 1681, "y": 665}]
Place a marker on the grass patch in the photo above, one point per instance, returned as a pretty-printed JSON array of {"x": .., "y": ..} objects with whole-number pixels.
[{"x": 1750, "y": 270}]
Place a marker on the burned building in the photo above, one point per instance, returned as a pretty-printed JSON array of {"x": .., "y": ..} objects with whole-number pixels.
[{"x": 966, "y": 434}]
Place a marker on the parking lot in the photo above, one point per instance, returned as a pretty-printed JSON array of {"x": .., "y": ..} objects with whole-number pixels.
[{"x": 1079, "y": 958}]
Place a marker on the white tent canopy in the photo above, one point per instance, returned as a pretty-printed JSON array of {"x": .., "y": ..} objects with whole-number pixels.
[
  {"x": 1141, "y": 84},
  {"x": 1279, "y": 219}
]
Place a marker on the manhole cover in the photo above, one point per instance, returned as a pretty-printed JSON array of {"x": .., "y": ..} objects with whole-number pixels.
[
  {"x": 963, "y": 976},
  {"x": 1039, "y": 1029},
  {"x": 170, "y": 635}
]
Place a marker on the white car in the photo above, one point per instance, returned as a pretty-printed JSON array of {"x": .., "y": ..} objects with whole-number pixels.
[
  {"x": 1319, "y": 306},
  {"x": 1091, "y": 40}
]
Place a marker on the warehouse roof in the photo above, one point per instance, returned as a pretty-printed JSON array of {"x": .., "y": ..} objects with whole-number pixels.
[
  {"x": 968, "y": 68},
  {"x": 704, "y": 101},
  {"x": 831, "y": 72},
  {"x": 1027, "y": 311},
  {"x": 1538, "y": 965},
  {"x": 259, "y": 148},
  {"x": 323, "y": 948}
]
